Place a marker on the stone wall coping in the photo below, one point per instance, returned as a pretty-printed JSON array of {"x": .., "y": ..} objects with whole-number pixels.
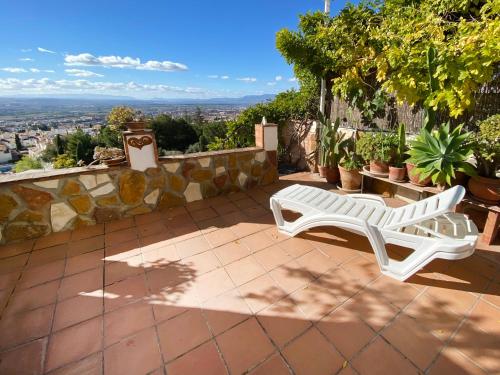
[{"x": 68, "y": 172}]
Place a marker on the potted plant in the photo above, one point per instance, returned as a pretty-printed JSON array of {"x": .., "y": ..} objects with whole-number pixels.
[
  {"x": 378, "y": 149},
  {"x": 138, "y": 123},
  {"x": 332, "y": 144},
  {"x": 109, "y": 155},
  {"x": 486, "y": 147},
  {"x": 397, "y": 170},
  {"x": 440, "y": 154},
  {"x": 350, "y": 176}
]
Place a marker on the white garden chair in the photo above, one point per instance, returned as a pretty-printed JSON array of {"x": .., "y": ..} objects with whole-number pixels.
[{"x": 429, "y": 226}]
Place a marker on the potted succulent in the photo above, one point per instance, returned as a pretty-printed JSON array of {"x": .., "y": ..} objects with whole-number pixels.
[
  {"x": 350, "y": 176},
  {"x": 397, "y": 169},
  {"x": 109, "y": 155},
  {"x": 138, "y": 123},
  {"x": 378, "y": 149},
  {"x": 332, "y": 144},
  {"x": 440, "y": 154},
  {"x": 486, "y": 147}
]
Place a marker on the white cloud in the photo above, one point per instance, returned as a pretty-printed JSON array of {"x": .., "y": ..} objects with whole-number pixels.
[
  {"x": 224, "y": 77},
  {"x": 214, "y": 76},
  {"x": 247, "y": 79},
  {"x": 271, "y": 83},
  {"x": 278, "y": 78},
  {"x": 36, "y": 70},
  {"x": 26, "y": 59},
  {"x": 292, "y": 79},
  {"x": 44, "y": 50},
  {"x": 14, "y": 70},
  {"x": 82, "y": 73},
  {"x": 86, "y": 59},
  {"x": 49, "y": 86}
]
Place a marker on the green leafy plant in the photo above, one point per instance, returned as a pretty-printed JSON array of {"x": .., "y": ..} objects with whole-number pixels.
[
  {"x": 26, "y": 163},
  {"x": 332, "y": 142},
  {"x": 486, "y": 147},
  {"x": 351, "y": 161},
  {"x": 377, "y": 146},
  {"x": 64, "y": 161},
  {"x": 441, "y": 153},
  {"x": 400, "y": 155}
]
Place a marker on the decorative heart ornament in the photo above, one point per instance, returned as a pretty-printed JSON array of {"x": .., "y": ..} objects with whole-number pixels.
[{"x": 139, "y": 142}]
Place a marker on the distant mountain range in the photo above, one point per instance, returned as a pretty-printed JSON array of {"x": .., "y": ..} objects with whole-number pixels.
[{"x": 101, "y": 99}]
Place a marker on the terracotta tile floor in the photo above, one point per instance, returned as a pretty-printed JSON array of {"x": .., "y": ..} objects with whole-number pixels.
[{"x": 213, "y": 288}]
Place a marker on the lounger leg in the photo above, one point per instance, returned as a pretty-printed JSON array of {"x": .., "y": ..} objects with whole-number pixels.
[{"x": 278, "y": 216}]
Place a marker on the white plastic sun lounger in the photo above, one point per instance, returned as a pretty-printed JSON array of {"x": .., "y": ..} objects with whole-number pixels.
[{"x": 428, "y": 226}]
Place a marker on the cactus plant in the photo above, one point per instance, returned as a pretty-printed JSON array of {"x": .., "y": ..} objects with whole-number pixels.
[
  {"x": 430, "y": 113},
  {"x": 401, "y": 149}
]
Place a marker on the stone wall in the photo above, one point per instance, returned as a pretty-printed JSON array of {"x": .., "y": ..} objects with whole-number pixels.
[{"x": 36, "y": 204}]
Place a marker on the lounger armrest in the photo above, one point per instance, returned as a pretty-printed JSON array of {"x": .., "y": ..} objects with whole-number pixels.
[{"x": 369, "y": 198}]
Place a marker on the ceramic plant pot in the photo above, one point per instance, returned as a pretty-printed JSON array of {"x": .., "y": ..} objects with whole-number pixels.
[
  {"x": 415, "y": 177},
  {"x": 332, "y": 175},
  {"x": 485, "y": 189},
  {"x": 350, "y": 180},
  {"x": 322, "y": 170},
  {"x": 397, "y": 174},
  {"x": 379, "y": 167}
]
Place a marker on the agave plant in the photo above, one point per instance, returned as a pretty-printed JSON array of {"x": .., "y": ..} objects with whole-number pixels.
[
  {"x": 332, "y": 142},
  {"x": 441, "y": 153}
]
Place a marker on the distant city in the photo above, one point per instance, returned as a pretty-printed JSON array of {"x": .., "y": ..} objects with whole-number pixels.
[{"x": 38, "y": 120}]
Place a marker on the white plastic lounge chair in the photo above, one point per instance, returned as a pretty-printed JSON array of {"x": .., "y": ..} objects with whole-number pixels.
[{"x": 428, "y": 226}]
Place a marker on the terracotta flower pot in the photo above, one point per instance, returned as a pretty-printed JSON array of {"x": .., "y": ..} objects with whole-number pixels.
[
  {"x": 485, "y": 189},
  {"x": 322, "y": 170},
  {"x": 415, "y": 177},
  {"x": 332, "y": 175},
  {"x": 351, "y": 180},
  {"x": 377, "y": 166},
  {"x": 397, "y": 174},
  {"x": 460, "y": 179},
  {"x": 135, "y": 126}
]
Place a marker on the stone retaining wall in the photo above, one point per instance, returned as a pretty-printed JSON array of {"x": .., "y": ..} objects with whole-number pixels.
[{"x": 40, "y": 203}]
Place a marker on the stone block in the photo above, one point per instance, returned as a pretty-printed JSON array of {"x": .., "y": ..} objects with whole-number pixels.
[
  {"x": 29, "y": 216},
  {"x": 35, "y": 199},
  {"x": 108, "y": 201},
  {"x": 60, "y": 215},
  {"x": 177, "y": 183},
  {"x": 102, "y": 215},
  {"x": 132, "y": 187},
  {"x": 48, "y": 184},
  {"x": 7, "y": 204},
  {"x": 193, "y": 192},
  {"x": 88, "y": 180},
  {"x": 82, "y": 204},
  {"x": 170, "y": 200},
  {"x": 138, "y": 210},
  {"x": 172, "y": 167},
  {"x": 205, "y": 162},
  {"x": 103, "y": 190},
  {"x": 102, "y": 178},
  {"x": 70, "y": 187},
  {"x": 15, "y": 232},
  {"x": 220, "y": 181},
  {"x": 152, "y": 197},
  {"x": 201, "y": 175}
]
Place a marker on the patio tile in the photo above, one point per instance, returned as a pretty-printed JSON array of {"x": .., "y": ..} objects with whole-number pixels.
[
  {"x": 118, "y": 251},
  {"x": 255, "y": 211},
  {"x": 346, "y": 331},
  {"x": 226, "y": 208},
  {"x": 41, "y": 274},
  {"x": 203, "y": 360},
  {"x": 211, "y": 225},
  {"x": 398, "y": 293},
  {"x": 138, "y": 354},
  {"x": 272, "y": 257},
  {"x": 85, "y": 245},
  {"x": 160, "y": 256},
  {"x": 274, "y": 365},
  {"x": 8, "y": 280},
  {"x": 115, "y": 225},
  {"x": 220, "y": 237},
  {"x": 74, "y": 343},
  {"x": 244, "y": 346},
  {"x": 9, "y": 250},
  {"x": 204, "y": 214},
  {"x": 23, "y": 327},
  {"x": 296, "y": 246},
  {"x": 283, "y": 321},
  {"x": 423, "y": 346},
  {"x": 168, "y": 276},
  {"x": 365, "y": 270},
  {"x": 261, "y": 292},
  {"x": 231, "y": 251},
  {"x": 338, "y": 251},
  {"x": 87, "y": 232},
  {"x": 291, "y": 276},
  {"x": 45, "y": 256},
  {"x": 40, "y": 295},
  {"x": 257, "y": 241},
  {"x": 126, "y": 320},
  {"x": 84, "y": 262},
  {"x": 492, "y": 293},
  {"x": 156, "y": 241},
  {"x": 380, "y": 359},
  {"x": 192, "y": 246},
  {"x": 87, "y": 281},
  {"x": 486, "y": 317},
  {"x": 458, "y": 301},
  {"x": 212, "y": 284},
  {"x": 202, "y": 263},
  {"x": 312, "y": 354},
  {"x": 11, "y": 264},
  {"x": 225, "y": 311},
  {"x": 52, "y": 239},
  {"x": 246, "y": 227},
  {"x": 182, "y": 333},
  {"x": 27, "y": 359},
  {"x": 244, "y": 270},
  {"x": 315, "y": 300},
  {"x": 150, "y": 229},
  {"x": 124, "y": 292},
  {"x": 451, "y": 361},
  {"x": 91, "y": 365},
  {"x": 122, "y": 235},
  {"x": 316, "y": 262},
  {"x": 117, "y": 271},
  {"x": 75, "y": 310},
  {"x": 174, "y": 301}
]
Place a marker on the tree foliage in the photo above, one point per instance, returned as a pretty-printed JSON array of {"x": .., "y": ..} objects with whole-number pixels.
[
  {"x": 26, "y": 163},
  {"x": 80, "y": 146},
  {"x": 119, "y": 116},
  {"x": 172, "y": 133}
]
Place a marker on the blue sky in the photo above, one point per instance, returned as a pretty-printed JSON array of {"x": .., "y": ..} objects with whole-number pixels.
[{"x": 146, "y": 49}]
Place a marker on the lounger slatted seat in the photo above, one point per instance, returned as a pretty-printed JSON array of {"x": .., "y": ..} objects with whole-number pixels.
[{"x": 429, "y": 227}]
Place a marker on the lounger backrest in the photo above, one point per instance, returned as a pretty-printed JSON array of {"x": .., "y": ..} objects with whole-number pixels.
[{"x": 425, "y": 209}]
